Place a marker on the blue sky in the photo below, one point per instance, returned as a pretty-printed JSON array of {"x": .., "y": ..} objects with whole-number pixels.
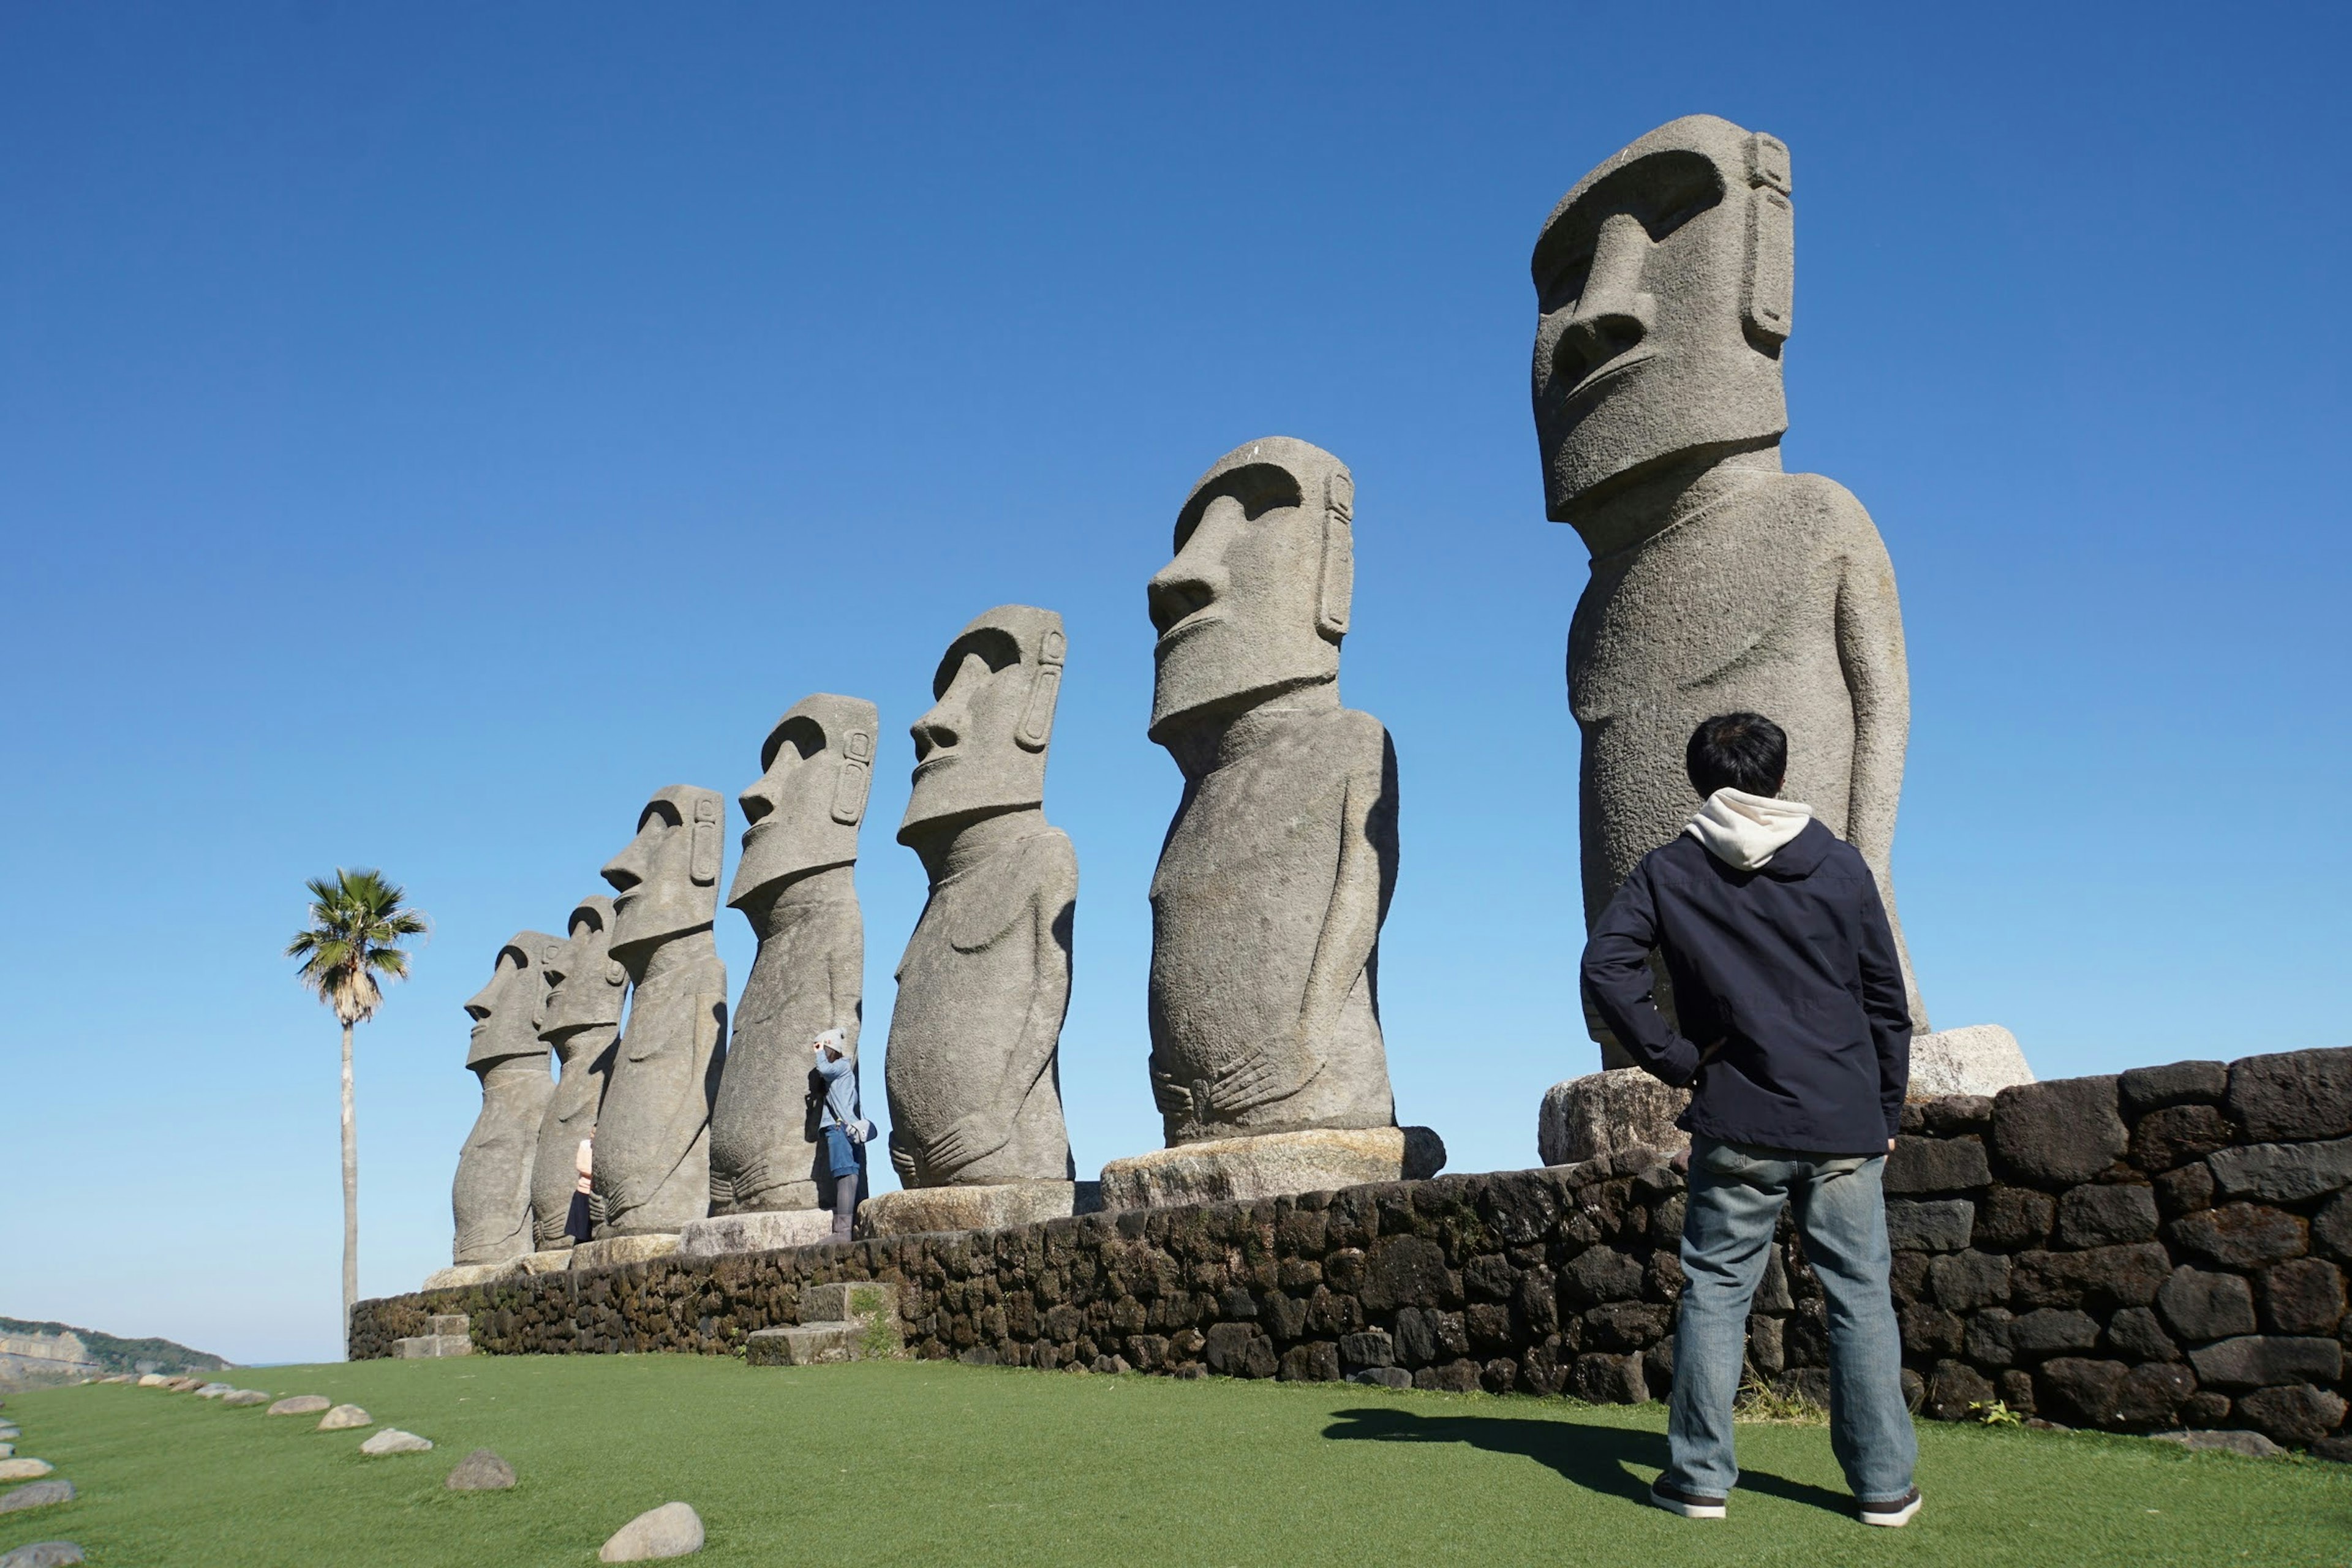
[{"x": 425, "y": 431}]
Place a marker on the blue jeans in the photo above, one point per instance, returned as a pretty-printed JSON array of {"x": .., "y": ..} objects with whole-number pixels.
[
  {"x": 840, "y": 1153},
  {"x": 1736, "y": 1193}
]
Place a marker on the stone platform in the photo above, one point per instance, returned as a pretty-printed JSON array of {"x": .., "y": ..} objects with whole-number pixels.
[
  {"x": 463, "y": 1274},
  {"x": 920, "y": 1211},
  {"x": 1243, "y": 1170},
  {"x": 612, "y": 1251},
  {"x": 762, "y": 1231},
  {"x": 1592, "y": 1117}
]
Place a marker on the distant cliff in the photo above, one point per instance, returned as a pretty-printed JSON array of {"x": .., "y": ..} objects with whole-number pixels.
[{"x": 59, "y": 1353}]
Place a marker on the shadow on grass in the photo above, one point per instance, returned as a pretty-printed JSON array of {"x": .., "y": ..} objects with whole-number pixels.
[{"x": 1599, "y": 1459}]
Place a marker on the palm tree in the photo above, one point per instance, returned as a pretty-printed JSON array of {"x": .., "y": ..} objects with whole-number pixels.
[{"x": 355, "y": 920}]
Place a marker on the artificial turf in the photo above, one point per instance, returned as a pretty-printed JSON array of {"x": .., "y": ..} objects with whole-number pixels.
[{"x": 937, "y": 1463}]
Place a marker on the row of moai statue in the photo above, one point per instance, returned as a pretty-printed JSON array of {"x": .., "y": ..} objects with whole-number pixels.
[{"x": 1665, "y": 284}]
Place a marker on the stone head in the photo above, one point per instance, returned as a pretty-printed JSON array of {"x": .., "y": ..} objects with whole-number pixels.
[
  {"x": 667, "y": 881},
  {"x": 586, "y": 983},
  {"x": 1256, "y": 600},
  {"x": 1662, "y": 285},
  {"x": 816, "y": 767},
  {"x": 507, "y": 1010},
  {"x": 982, "y": 748}
]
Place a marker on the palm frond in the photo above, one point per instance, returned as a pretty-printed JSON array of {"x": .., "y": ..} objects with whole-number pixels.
[{"x": 356, "y": 917}]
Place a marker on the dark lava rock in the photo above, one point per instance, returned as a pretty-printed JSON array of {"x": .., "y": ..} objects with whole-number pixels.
[
  {"x": 2295, "y": 1094},
  {"x": 2058, "y": 1133}
]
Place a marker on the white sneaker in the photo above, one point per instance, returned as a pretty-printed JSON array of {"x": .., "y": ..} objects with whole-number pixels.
[{"x": 1894, "y": 1513}]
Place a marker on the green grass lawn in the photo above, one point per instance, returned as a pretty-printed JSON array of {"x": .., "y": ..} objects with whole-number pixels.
[{"x": 935, "y": 1463}]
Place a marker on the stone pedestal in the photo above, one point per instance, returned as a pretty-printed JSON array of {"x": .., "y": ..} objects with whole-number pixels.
[
  {"x": 1604, "y": 1112},
  {"x": 615, "y": 1250},
  {"x": 465, "y": 1274},
  {"x": 555, "y": 1260},
  {"x": 921, "y": 1210},
  {"x": 1981, "y": 1058},
  {"x": 758, "y": 1232},
  {"x": 1237, "y": 1170}
]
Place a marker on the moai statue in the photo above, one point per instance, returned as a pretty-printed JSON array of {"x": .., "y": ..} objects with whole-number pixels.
[
  {"x": 491, "y": 1197},
  {"x": 1278, "y": 867},
  {"x": 653, "y": 1135},
  {"x": 795, "y": 886},
  {"x": 1664, "y": 282},
  {"x": 973, "y": 1080},
  {"x": 582, "y": 1020}
]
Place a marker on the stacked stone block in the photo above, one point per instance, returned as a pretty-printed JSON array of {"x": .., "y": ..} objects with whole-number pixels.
[{"x": 2161, "y": 1249}]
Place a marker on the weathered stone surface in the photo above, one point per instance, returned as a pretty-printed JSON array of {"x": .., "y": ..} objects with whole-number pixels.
[
  {"x": 214, "y": 1390},
  {"x": 2144, "y": 1090},
  {"x": 2184, "y": 1191},
  {"x": 1240, "y": 1170},
  {"x": 612, "y": 1251},
  {"x": 2051, "y": 1331},
  {"x": 916, "y": 1210},
  {"x": 1955, "y": 1390},
  {"x": 2101, "y": 1277},
  {"x": 2242, "y": 1236},
  {"x": 1594, "y": 1117},
  {"x": 2294, "y": 1094},
  {"x": 480, "y": 1471},
  {"x": 1277, "y": 870},
  {"x": 2283, "y": 1173},
  {"x": 2136, "y": 1333},
  {"x": 794, "y": 885},
  {"x": 2015, "y": 1217},
  {"x": 2263, "y": 1361},
  {"x": 2331, "y": 1228},
  {"x": 2152, "y": 1394},
  {"x": 343, "y": 1416},
  {"x": 1965, "y": 1281},
  {"x": 245, "y": 1397},
  {"x": 24, "y": 1469},
  {"x": 2202, "y": 1306},
  {"x": 805, "y": 1345},
  {"x": 1936, "y": 1165},
  {"x": 2253, "y": 1445},
  {"x": 459, "y": 1276},
  {"x": 1604, "y": 1379},
  {"x": 673, "y": 1530},
  {"x": 450, "y": 1325},
  {"x": 1976, "y": 1059},
  {"x": 2081, "y": 1391},
  {"x": 1371, "y": 1347},
  {"x": 1953, "y": 1115},
  {"x": 1937, "y": 1224},
  {"x": 43, "y": 1554},
  {"x": 2059, "y": 1133},
  {"x": 299, "y": 1405},
  {"x": 579, "y": 1023},
  {"x": 971, "y": 1070},
  {"x": 393, "y": 1440},
  {"x": 36, "y": 1494},
  {"x": 554, "y": 1260},
  {"x": 653, "y": 1132},
  {"x": 1654, "y": 359},
  {"x": 425, "y": 1347},
  {"x": 2106, "y": 1216},
  {"x": 492, "y": 1195},
  {"x": 2303, "y": 1297},
  {"x": 2176, "y": 1134},
  {"x": 754, "y": 1232},
  {"x": 2299, "y": 1413}
]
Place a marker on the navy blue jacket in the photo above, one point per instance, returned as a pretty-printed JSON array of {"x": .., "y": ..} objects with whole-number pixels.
[{"x": 1795, "y": 1031}]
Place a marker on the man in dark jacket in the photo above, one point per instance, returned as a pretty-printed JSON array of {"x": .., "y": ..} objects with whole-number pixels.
[{"x": 1792, "y": 1031}]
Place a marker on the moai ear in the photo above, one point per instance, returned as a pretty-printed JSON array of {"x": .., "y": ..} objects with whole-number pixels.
[
  {"x": 704, "y": 866},
  {"x": 856, "y": 775},
  {"x": 1768, "y": 288},
  {"x": 1037, "y": 718},
  {"x": 1336, "y": 591},
  {"x": 614, "y": 973}
]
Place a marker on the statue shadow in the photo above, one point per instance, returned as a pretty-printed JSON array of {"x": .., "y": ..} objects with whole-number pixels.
[{"x": 1599, "y": 1459}]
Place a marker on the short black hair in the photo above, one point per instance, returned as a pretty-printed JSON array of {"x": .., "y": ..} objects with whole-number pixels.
[{"x": 1745, "y": 752}]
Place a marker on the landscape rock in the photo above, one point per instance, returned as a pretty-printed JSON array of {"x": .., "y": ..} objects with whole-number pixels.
[
  {"x": 2253, "y": 1445},
  {"x": 2142, "y": 1089},
  {"x": 214, "y": 1390},
  {"x": 2176, "y": 1134},
  {"x": 152, "y": 1380},
  {"x": 36, "y": 1494},
  {"x": 2106, "y": 1216},
  {"x": 1936, "y": 1165},
  {"x": 2294, "y": 1094},
  {"x": 393, "y": 1440},
  {"x": 24, "y": 1469},
  {"x": 344, "y": 1415},
  {"x": 43, "y": 1554},
  {"x": 2283, "y": 1173},
  {"x": 1935, "y": 1225},
  {"x": 673, "y": 1530},
  {"x": 2264, "y": 1360},
  {"x": 299, "y": 1405},
  {"x": 2058, "y": 1133},
  {"x": 2051, "y": 1330},
  {"x": 2242, "y": 1236},
  {"x": 245, "y": 1397},
  {"x": 2082, "y": 1392},
  {"x": 2303, "y": 1297},
  {"x": 1975, "y": 1059},
  {"x": 2152, "y": 1394},
  {"x": 2202, "y": 1306},
  {"x": 2298, "y": 1413},
  {"x": 2136, "y": 1331},
  {"x": 480, "y": 1471}
]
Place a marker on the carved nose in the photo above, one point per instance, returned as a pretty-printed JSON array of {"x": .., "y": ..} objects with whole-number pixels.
[
  {"x": 477, "y": 1011},
  {"x": 1612, "y": 315},
  {"x": 755, "y": 806},
  {"x": 933, "y": 733},
  {"x": 1172, "y": 599}
]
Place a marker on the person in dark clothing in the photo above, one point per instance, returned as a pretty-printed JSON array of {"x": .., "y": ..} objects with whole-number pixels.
[{"x": 1793, "y": 1033}]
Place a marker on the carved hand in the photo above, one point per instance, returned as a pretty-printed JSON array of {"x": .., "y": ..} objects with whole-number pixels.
[
  {"x": 1264, "y": 1078},
  {"x": 1172, "y": 1094},
  {"x": 970, "y": 1137},
  {"x": 902, "y": 1159}
]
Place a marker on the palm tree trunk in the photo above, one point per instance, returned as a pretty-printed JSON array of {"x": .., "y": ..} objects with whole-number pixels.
[{"x": 351, "y": 1200}]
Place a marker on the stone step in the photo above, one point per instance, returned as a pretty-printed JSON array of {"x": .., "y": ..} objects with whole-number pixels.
[
  {"x": 808, "y": 1344},
  {"x": 425, "y": 1346},
  {"x": 848, "y": 1300}
]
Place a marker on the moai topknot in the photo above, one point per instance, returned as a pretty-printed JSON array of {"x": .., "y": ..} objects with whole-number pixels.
[
  {"x": 1665, "y": 281},
  {"x": 795, "y": 886},
  {"x": 1278, "y": 867},
  {"x": 491, "y": 1197},
  {"x": 580, "y": 1022},
  {"x": 653, "y": 1135},
  {"x": 974, "y": 1085}
]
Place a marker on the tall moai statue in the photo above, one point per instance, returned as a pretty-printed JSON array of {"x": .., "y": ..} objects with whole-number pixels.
[
  {"x": 1268, "y": 1062},
  {"x": 794, "y": 885},
  {"x": 652, "y": 1134},
  {"x": 1665, "y": 283},
  {"x": 973, "y": 1071},
  {"x": 491, "y": 1197},
  {"x": 582, "y": 1020}
]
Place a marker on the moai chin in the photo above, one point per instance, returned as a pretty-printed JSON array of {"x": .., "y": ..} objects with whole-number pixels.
[
  {"x": 653, "y": 1135},
  {"x": 586, "y": 986},
  {"x": 1278, "y": 867},
  {"x": 491, "y": 1197},
  {"x": 793, "y": 884},
  {"x": 1719, "y": 582},
  {"x": 972, "y": 1077}
]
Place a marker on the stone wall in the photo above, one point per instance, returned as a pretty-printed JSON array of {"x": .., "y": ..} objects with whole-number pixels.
[{"x": 2156, "y": 1250}]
